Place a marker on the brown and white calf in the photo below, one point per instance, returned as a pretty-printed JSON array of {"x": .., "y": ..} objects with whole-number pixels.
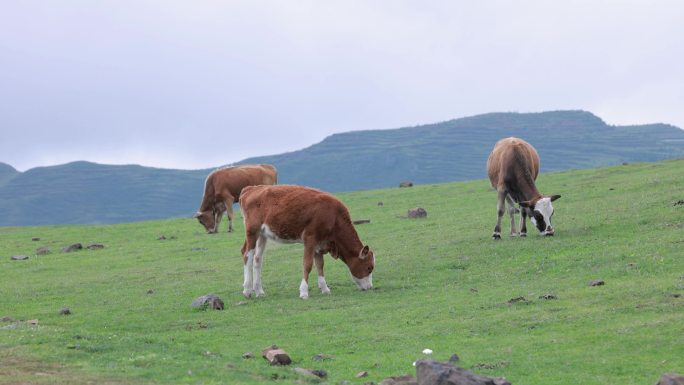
[
  {"x": 222, "y": 188},
  {"x": 288, "y": 214},
  {"x": 513, "y": 167}
]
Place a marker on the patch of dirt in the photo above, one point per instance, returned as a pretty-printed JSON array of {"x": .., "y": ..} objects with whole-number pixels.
[{"x": 16, "y": 369}]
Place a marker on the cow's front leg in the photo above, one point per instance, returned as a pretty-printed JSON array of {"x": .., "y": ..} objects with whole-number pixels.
[
  {"x": 500, "y": 206},
  {"x": 258, "y": 263},
  {"x": 523, "y": 223},
  {"x": 318, "y": 259},
  {"x": 308, "y": 264}
]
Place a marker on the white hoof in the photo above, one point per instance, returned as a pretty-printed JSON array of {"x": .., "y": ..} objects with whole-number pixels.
[
  {"x": 304, "y": 296},
  {"x": 325, "y": 290},
  {"x": 260, "y": 293},
  {"x": 247, "y": 293}
]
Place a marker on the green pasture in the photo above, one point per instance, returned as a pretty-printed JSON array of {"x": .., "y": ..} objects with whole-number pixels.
[{"x": 440, "y": 283}]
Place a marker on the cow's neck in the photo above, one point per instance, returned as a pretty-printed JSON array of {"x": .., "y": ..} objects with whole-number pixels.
[
  {"x": 525, "y": 188},
  {"x": 347, "y": 241}
]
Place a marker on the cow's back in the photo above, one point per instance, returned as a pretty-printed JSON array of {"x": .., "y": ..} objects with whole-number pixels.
[
  {"x": 288, "y": 210},
  {"x": 511, "y": 156},
  {"x": 234, "y": 179}
]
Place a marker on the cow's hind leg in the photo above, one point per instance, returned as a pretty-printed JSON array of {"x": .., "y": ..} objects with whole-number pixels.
[
  {"x": 318, "y": 259},
  {"x": 258, "y": 263},
  {"x": 229, "y": 214},
  {"x": 248, "y": 251},
  {"x": 511, "y": 212},
  {"x": 500, "y": 207},
  {"x": 308, "y": 264}
]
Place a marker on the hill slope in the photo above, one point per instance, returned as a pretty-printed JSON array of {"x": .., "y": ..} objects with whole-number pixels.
[
  {"x": 519, "y": 308},
  {"x": 84, "y": 192}
]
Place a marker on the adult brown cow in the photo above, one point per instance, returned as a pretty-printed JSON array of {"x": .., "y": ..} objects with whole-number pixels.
[
  {"x": 222, "y": 188},
  {"x": 513, "y": 167},
  {"x": 288, "y": 214}
]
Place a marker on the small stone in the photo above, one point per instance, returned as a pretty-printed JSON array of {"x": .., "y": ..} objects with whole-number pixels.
[
  {"x": 199, "y": 249},
  {"x": 597, "y": 282},
  {"x": 161, "y": 238},
  {"x": 517, "y": 300},
  {"x": 276, "y": 356},
  {"x": 427, "y": 351},
  {"x": 71, "y": 248},
  {"x": 247, "y": 355},
  {"x": 6, "y": 319},
  {"x": 19, "y": 257},
  {"x": 311, "y": 373},
  {"x": 362, "y": 374},
  {"x": 95, "y": 246},
  {"x": 209, "y": 301},
  {"x": 380, "y": 204},
  {"x": 406, "y": 183},
  {"x": 35, "y": 239},
  {"x": 241, "y": 303},
  {"x": 151, "y": 291},
  {"x": 676, "y": 295},
  {"x": 42, "y": 251},
  {"x": 32, "y": 322},
  {"x": 679, "y": 203},
  {"x": 417, "y": 212},
  {"x": 454, "y": 358},
  {"x": 547, "y": 296},
  {"x": 65, "y": 311},
  {"x": 322, "y": 357},
  {"x": 361, "y": 221}
]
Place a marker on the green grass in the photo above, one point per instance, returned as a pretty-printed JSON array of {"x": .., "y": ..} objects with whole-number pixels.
[{"x": 440, "y": 283}]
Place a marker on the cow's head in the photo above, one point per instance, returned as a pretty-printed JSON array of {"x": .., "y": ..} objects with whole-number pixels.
[
  {"x": 361, "y": 268},
  {"x": 540, "y": 212},
  {"x": 206, "y": 219}
]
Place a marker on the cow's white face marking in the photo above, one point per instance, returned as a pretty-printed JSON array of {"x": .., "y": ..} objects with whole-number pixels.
[
  {"x": 544, "y": 208},
  {"x": 364, "y": 283}
]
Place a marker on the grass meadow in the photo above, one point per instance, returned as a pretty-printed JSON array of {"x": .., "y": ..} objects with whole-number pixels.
[{"x": 440, "y": 283}]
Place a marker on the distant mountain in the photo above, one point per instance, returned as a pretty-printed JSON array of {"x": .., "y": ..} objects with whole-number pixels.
[
  {"x": 83, "y": 192},
  {"x": 7, "y": 172},
  {"x": 458, "y": 149}
]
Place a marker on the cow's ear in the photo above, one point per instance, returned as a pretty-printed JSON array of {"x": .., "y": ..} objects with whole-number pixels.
[
  {"x": 554, "y": 197},
  {"x": 197, "y": 214},
  {"x": 527, "y": 204},
  {"x": 364, "y": 252}
]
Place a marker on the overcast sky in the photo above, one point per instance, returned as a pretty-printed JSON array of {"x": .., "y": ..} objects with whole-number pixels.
[{"x": 197, "y": 84}]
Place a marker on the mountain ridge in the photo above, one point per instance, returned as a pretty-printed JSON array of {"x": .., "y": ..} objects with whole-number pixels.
[{"x": 457, "y": 149}]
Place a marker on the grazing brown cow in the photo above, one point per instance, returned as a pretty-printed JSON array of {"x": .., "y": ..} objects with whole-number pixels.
[
  {"x": 288, "y": 214},
  {"x": 513, "y": 167},
  {"x": 222, "y": 188}
]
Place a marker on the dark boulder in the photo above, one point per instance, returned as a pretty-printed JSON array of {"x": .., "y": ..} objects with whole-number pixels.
[
  {"x": 430, "y": 372},
  {"x": 417, "y": 212},
  {"x": 74, "y": 247},
  {"x": 209, "y": 301}
]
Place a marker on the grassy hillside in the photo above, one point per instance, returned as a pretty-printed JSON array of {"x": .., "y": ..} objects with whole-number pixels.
[
  {"x": 440, "y": 283},
  {"x": 450, "y": 151}
]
